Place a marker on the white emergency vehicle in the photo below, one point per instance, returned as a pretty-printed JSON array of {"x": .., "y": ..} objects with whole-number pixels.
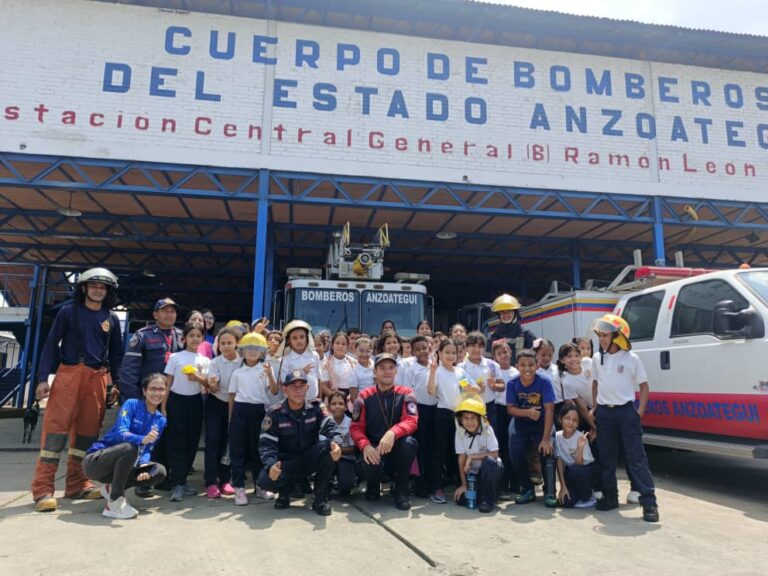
[
  {"x": 703, "y": 342},
  {"x": 352, "y": 294},
  {"x": 701, "y": 335}
]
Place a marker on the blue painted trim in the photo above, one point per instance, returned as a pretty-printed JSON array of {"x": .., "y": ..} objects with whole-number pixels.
[{"x": 260, "y": 257}]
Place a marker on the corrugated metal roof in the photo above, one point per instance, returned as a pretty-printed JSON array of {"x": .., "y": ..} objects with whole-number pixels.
[{"x": 481, "y": 22}]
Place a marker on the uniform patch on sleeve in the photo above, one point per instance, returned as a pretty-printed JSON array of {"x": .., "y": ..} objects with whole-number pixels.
[
  {"x": 357, "y": 410},
  {"x": 266, "y": 424},
  {"x": 134, "y": 341},
  {"x": 411, "y": 408}
]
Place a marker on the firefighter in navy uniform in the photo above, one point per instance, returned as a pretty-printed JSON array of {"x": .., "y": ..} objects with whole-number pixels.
[
  {"x": 149, "y": 349},
  {"x": 148, "y": 352},
  {"x": 384, "y": 420},
  {"x": 298, "y": 438},
  {"x": 509, "y": 328}
]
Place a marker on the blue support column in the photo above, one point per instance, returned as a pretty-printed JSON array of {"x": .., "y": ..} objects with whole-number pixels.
[
  {"x": 659, "y": 256},
  {"x": 269, "y": 274},
  {"x": 40, "y": 305},
  {"x": 260, "y": 257},
  {"x": 28, "y": 336},
  {"x": 576, "y": 264}
]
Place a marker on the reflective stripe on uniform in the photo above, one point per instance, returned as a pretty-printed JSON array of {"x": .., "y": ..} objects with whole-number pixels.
[
  {"x": 49, "y": 456},
  {"x": 75, "y": 453},
  {"x": 269, "y": 436},
  {"x": 133, "y": 354}
]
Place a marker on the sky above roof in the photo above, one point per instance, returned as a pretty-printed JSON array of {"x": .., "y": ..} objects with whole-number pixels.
[{"x": 740, "y": 16}]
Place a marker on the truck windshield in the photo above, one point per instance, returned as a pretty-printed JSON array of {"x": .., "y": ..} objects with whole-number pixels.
[
  {"x": 324, "y": 308},
  {"x": 758, "y": 282},
  {"x": 405, "y": 309}
]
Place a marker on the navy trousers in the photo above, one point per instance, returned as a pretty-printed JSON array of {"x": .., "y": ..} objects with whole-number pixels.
[
  {"x": 618, "y": 426},
  {"x": 317, "y": 460},
  {"x": 244, "y": 432},
  {"x": 216, "y": 437}
]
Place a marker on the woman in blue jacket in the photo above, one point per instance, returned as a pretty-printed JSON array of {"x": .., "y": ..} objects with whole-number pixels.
[{"x": 120, "y": 459}]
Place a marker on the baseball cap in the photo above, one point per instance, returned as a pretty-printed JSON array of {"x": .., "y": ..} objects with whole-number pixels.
[
  {"x": 163, "y": 302},
  {"x": 384, "y": 356},
  {"x": 293, "y": 376}
]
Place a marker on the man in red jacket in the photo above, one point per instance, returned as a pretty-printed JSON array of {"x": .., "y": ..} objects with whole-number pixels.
[{"x": 384, "y": 420}]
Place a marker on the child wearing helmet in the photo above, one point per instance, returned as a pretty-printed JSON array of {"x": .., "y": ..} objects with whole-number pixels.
[
  {"x": 509, "y": 328},
  {"x": 617, "y": 372},
  {"x": 478, "y": 452},
  {"x": 297, "y": 352},
  {"x": 247, "y": 408}
]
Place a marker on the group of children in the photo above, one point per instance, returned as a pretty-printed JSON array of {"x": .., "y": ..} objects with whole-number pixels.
[{"x": 488, "y": 426}]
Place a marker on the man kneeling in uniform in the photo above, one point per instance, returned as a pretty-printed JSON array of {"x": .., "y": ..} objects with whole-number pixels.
[
  {"x": 291, "y": 447},
  {"x": 383, "y": 423}
]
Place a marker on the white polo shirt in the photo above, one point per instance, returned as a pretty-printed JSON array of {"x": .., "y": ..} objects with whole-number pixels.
[
  {"x": 448, "y": 387},
  {"x": 292, "y": 361},
  {"x": 618, "y": 377},
  {"x": 579, "y": 385},
  {"x": 250, "y": 384},
  {"x": 506, "y": 376},
  {"x": 417, "y": 379},
  {"x": 485, "y": 372},
  {"x": 176, "y": 363},
  {"x": 481, "y": 443},
  {"x": 224, "y": 369}
]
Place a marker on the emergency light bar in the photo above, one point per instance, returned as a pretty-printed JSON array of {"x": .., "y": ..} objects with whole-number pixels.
[{"x": 411, "y": 277}]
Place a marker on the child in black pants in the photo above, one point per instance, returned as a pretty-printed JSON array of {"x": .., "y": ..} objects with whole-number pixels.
[{"x": 575, "y": 463}]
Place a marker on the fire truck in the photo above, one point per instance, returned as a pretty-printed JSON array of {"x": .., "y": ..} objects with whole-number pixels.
[
  {"x": 349, "y": 291},
  {"x": 701, "y": 335}
]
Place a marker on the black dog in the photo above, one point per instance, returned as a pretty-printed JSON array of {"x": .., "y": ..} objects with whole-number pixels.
[{"x": 30, "y": 421}]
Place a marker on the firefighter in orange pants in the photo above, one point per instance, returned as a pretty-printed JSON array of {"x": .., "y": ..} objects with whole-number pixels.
[{"x": 84, "y": 346}]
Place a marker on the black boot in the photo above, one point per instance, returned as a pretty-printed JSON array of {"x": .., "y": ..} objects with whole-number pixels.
[
  {"x": 283, "y": 500},
  {"x": 320, "y": 505},
  {"x": 372, "y": 491},
  {"x": 650, "y": 513},
  {"x": 607, "y": 502}
]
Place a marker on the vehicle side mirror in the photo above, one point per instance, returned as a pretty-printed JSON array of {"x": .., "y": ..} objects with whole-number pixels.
[{"x": 729, "y": 323}]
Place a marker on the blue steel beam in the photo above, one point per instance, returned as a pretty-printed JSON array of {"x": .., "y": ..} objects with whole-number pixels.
[
  {"x": 260, "y": 256},
  {"x": 559, "y": 204}
]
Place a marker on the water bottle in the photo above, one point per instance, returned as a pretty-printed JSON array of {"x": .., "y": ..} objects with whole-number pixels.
[{"x": 471, "y": 493}]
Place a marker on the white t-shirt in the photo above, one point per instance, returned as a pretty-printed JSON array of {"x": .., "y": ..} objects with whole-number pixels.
[
  {"x": 224, "y": 368},
  {"x": 565, "y": 449},
  {"x": 506, "y": 376},
  {"x": 578, "y": 385},
  {"x": 343, "y": 371},
  {"x": 618, "y": 377},
  {"x": 448, "y": 387},
  {"x": 273, "y": 399},
  {"x": 402, "y": 367},
  {"x": 181, "y": 384},
  {"x": 346, "y": 437},
  {"x": 553, "y": 375},
  {"x": 363, "y": 377},
  {"x": 417, "y": 379},
  {"x": 485, "y": 372},
  {"x": 250, "y": 384},
  {"x": 293, "y": 361},
  {"x": 480, "y": 443}
]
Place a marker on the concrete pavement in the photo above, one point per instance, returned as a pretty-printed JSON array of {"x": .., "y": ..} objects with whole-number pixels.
[{"x": 712, "y": 528}]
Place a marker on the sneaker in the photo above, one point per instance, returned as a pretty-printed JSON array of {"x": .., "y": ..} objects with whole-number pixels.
[
  {"x": 321, "y": 506},
  {"x": 550, "y": 501},
  {"x": 402, "y": 502},
  {"x": 586, "y": 503},
  {"x": 189, "y": 490},
  {"x": 283, "y": 501},
  {"x": 119, "y": 509},
  {"x": 597, "y": 494},
  {"x": 227, "y": 489},
  {"x": 46, "y": 503},
  {"x": 372, "y": 491},
  {"x": 177, "y": 494},
  {"x": 438, "y": 496},
  {"x": 263, "y": 494},
  {"x": 144, "y": 492},
  {"x": 104, "y": 490},
  {"x": 651, "y": 513},
  {"x": 606, "y": 503},
  {"x": 633, "y": 497},
  {"x": 526, "y": 497},
  {"x": 241, "y": 498},
  {"x": 486, "y": 507},
  {"x": 213, "y": 492}
]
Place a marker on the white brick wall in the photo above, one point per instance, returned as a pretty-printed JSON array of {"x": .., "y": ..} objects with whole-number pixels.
[{"x": 53, "y": 52}]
